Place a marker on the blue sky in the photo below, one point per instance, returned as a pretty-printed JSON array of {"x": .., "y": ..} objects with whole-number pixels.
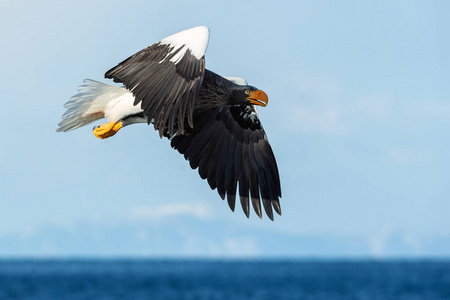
[{"x": 358, "y": 119}]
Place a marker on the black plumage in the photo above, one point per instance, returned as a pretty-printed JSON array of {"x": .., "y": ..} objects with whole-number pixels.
[
  {"x": 211, "y": 120},
  {"x": 166, "y": 91},
  {"x": 231, "y": 149}
]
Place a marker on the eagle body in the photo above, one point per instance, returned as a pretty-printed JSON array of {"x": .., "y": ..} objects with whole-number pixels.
[{"x": 210, "y": 119}]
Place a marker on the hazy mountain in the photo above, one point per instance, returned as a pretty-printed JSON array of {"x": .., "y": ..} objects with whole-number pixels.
[{"x": 193, "y": 236}]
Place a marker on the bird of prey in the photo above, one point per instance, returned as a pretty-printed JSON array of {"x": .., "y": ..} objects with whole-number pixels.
[{"x": 210, "y": 119}]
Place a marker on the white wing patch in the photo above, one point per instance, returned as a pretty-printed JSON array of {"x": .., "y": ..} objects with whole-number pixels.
[
  {"x": 195, "y": 39},
  {"x": 251, "y": 113}
]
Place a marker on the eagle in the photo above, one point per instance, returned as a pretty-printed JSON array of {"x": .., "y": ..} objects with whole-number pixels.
[{"x": 210, "y": 119}]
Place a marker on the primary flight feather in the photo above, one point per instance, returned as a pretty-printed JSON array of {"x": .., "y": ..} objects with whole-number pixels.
[{"x": 210, "y": 119}]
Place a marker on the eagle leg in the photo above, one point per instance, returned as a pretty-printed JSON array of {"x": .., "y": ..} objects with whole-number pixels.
[{"x": 107, "y": 130}]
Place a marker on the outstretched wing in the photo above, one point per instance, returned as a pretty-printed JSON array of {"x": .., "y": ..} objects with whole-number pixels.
[
  {"x": 166, "y": 77},
  {"x": 229, "y": 146}
]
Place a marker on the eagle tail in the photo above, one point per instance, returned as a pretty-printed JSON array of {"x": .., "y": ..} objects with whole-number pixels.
[{"x": 89, "y": 104}]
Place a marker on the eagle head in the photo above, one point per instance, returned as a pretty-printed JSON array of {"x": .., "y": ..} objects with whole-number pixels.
[{"x": 248, "y": 95}]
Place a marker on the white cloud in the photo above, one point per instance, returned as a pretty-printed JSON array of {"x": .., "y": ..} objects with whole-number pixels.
[
  {"x": 389, "y": 242},
  {"x": 379, "y": 241},
  {"x": 197, "y": 210},
  {"x": 241, "y": 247},
  {"x": 228, "y": 246}
]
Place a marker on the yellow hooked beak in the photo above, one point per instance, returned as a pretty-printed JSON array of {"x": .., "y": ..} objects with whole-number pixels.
[{"x": 258, "y": 97}]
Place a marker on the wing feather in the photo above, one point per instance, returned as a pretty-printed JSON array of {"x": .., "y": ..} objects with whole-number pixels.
[
  {"x": 242, "y": 179},
  {"x": 165, "y": 78},
  {"x": 230, "y": 148},
  {"x": 254, "y": 186},
  {"x": 214, "y": 160},
  {"x": 222, "y": 165},
  {"x": 230, "y": 174}
]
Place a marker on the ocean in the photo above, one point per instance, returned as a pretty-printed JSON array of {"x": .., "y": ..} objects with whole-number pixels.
[{"x": 224, "y": 279}]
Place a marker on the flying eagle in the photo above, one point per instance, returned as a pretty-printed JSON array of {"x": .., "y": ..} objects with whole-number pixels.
[{"x": 210, "y": 119}]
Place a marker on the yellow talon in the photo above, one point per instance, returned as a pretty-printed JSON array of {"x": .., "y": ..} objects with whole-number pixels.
[{"x": 106, "y": 130}]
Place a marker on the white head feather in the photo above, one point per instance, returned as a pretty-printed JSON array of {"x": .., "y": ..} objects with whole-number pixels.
[{"x": 237, "y": 80}]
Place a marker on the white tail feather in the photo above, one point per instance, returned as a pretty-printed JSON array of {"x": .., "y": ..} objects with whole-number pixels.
[{"x": 89, "y": 104}]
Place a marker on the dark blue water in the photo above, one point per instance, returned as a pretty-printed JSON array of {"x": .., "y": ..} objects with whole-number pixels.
[{"x": 177, "y": 279}]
